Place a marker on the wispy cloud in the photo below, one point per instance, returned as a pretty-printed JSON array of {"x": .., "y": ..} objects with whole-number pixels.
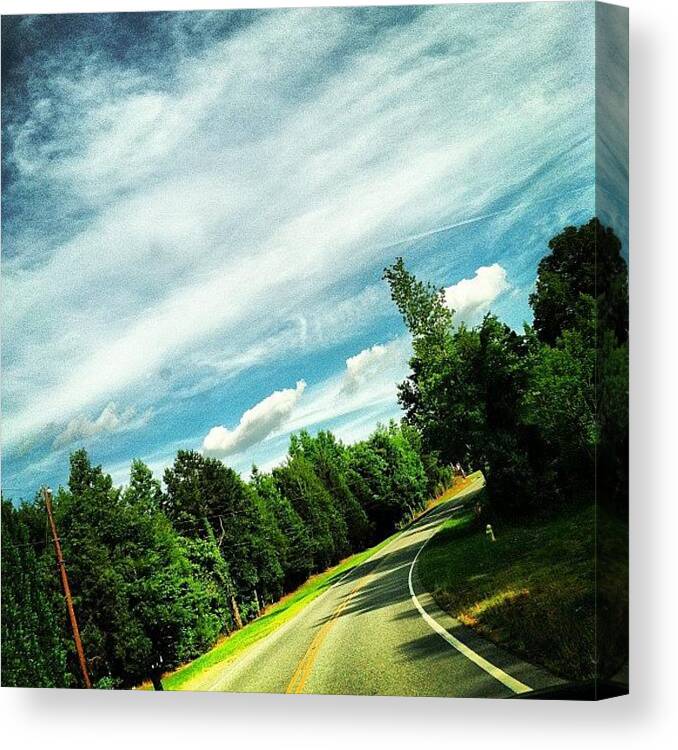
[
  {"x": 199, "y": 208},
  {"x": 369, "y": 380},
  {"x": 109, "y": 421}
]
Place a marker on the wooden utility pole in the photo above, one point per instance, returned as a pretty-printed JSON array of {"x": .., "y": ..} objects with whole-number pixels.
[{"x": 47, "y": 494}]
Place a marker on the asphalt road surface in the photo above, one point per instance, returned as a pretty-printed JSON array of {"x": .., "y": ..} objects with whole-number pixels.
[{"x": 376, "y": 632}]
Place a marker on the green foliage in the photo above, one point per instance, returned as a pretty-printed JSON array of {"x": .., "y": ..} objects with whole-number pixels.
[
  {"x": 387, "y": 474},
  {"x": 34, "y": 653},
  {"x": 532, "y": 410},
  {"x": 329, "y": 459},
  {"x": 421, "y": 305},
  {"x": 209, "y": 500},
  {"x": 309, "y": 497},
  {"x": 140, "y": 608},
  {"x": 440, "y": 396},
  {"x": 612, "y": 402},
  {"x": 439, "y": 476},
  {"x": 581, "y": 314},
  {"x": 289, "y": 534},
  {"x": 159, "y": 573},
  {"x": 560, "y": 402},
  {"x": 584, "y": 261}
]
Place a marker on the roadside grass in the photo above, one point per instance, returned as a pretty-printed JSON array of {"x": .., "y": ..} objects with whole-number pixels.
[
  {"x": 458, "y": 485},
  {"x": 274, "y": 617},
  {"x": 533, "y": 590},
  {"x": 284, "y": 610}
]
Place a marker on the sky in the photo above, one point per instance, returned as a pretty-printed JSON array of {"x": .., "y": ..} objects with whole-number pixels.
[{"x": 198, "y": 208}]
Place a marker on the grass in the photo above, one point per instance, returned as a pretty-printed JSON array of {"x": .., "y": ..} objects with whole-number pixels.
[
  {"x": 457, "y": 486},
  {"x": 533, "y": 590},
  {"x": 281, "y": 612},
  {"x": 274, "y": 617}
]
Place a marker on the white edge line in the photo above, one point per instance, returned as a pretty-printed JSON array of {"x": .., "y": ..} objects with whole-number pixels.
[{"x": 510, "y": 682}]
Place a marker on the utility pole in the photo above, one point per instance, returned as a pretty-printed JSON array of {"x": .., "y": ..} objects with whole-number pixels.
[{"x": 47, "y": 494}]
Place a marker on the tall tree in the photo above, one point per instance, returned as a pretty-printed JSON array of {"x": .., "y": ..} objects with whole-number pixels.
[
  {"x": 207, "y": 499},
  {"x": 584, "y": 261},
  {"x": 290, "y": 537},
  {"x": 34, "y": 636},
  {"x": 328, "y": 457},
  {"x": 138, "y": 605},
  {"x": 440, "y": 396},
  {"x": 299, "y": 483},
  {"x": 387, "y": 474}
]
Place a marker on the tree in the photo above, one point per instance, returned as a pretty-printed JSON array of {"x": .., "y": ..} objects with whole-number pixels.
[
  {"x": 297, "y": 481},
  {"x": 440, "y": 396},
  {"x": 141, "y": 610},
  {"x": 289, "y": 535},
  {"x": 34, "y": 644},
  {"x": 612, "y": 412},
  {"x": 584, "y": 261},
  {"x": 328, "y": 458},
  {"x": 207, "y": 499},
  {"x": 560, "y": 402},
  {"x": 439, "y": 476},
  {"x": 464, "y": 393},
  {"x": 579, "y": 393},
  {"x": 386, "y": 473},
  {"x": 144, "y": 491}
]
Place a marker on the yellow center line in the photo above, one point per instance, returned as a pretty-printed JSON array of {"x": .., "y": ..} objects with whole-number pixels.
[{"x": 303, "y": 670}]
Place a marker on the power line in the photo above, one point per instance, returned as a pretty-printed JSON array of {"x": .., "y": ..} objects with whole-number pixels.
[{"x": 175, "y": 526}]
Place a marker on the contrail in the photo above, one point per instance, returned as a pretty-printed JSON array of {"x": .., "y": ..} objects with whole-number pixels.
[{"x": 481, "y": 217}]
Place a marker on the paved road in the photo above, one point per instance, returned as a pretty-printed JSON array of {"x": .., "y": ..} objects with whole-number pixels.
[{"x": 368, "y": 635}]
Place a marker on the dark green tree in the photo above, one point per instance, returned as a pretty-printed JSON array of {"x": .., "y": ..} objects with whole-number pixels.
[
  {"x": 440, "y": 396},
  {"x": 34, "y": 636},
  {"x": 329, "y": 460},
  {"x": 140, "y": 609},
  {"x": 291, "y": 539},
  {"x": 297, "y": 481},
  {"x": 206, "y": 499},
  {"x": 387, "y": 475},
  {"x": 584, "y": 261}
]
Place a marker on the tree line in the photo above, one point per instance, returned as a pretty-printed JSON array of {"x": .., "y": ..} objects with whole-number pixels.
[
  {"x": 160, "y": 571},
  {"x": 543, "y": 413}
]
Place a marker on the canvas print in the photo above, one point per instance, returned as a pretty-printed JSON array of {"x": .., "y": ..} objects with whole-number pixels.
[{"x": 315, "y": 350}]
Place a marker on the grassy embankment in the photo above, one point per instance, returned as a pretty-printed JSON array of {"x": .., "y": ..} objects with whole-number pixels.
[
  {"x": 533, "y": 590},
  {"x": 476, "y": 478},
  {"x": 281, "y": 612},
  {"x": 273, "y": 617}
]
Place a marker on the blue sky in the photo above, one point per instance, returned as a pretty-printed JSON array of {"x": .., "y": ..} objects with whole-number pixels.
[{"x": 197, "y": 209}]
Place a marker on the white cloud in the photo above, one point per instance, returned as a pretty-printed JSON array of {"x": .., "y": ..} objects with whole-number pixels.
[
  {"x": 240, "y": 191},
  {"x": 470, "y": 298},
  {"x": 350, "y": 403},
  {"x": 255, "y": 425},
  {"x": 110, "y": 420},
  {"x": 363, "y": 366},
  {"x": 369, "y": 381}
]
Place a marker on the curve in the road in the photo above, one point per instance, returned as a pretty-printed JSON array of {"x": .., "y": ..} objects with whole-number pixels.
[
  {"x": 365, "y": 635},
  {"x": 506, "y": 679}
]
